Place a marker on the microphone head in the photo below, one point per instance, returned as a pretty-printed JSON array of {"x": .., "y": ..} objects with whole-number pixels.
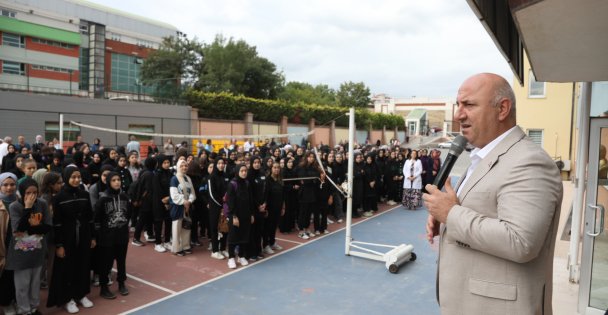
[{"x": 458, "y": 146}]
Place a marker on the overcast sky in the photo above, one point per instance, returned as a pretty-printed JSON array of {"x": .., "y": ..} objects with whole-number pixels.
[{"x": 400, "y": 47}]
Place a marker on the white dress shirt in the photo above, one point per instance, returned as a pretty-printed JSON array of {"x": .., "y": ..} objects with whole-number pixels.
[{"x": 479, "y": 154}]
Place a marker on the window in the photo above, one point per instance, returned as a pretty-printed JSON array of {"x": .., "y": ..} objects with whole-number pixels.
[
  {"x": 145, "y": 43},
  {"x": 83, "y": 66},
  {"x": 125, "y": 74},
  {"x": 11, "y": 67},
  {"x": 51, "y": 130},
  {"x": 13, "y": 40},
  {"x": 49, "y": 68},
  {"x": 536, "y": 135},
  {"x": 52, "y": 43},
  {"x": 84, "y": 28},
  {"x": 142, "y": 128},
  {"x": 535, "y": 89},
  {"x": 8, "y": 13}
]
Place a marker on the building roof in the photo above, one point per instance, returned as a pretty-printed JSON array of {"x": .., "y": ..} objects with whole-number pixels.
[{"x": 122, "y": 13}]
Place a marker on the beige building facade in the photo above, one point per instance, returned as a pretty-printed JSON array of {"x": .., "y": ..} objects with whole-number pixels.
[{"x": 545, "y": 110}]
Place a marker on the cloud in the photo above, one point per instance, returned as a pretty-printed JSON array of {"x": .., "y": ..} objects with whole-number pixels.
[{"x": 402, "y": 48}]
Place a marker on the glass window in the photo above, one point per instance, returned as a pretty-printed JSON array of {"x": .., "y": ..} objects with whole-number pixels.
[
  {"x": 51, "y": 130},
  {"x": 142, "y": 128},
  {"x": 536, "y": 135},
  {"x": 8, "y": 13},
  {"x": 83, "y": 66},
  {"x": 125, "y": 74},
  {"x": 11, "y": 67},
  {"x": 13, "y": 40},
  {"x": 535, "y": 89}
]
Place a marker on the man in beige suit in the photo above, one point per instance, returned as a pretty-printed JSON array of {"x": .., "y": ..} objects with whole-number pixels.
[{"x": 497, "y": 229}]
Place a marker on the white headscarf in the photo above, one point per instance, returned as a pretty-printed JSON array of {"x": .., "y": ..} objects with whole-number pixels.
[{"x": 184, "y": 180}]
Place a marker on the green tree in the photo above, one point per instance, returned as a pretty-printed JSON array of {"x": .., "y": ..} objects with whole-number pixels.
[
  {"x": 295, "y": 92},
  {"x": 174, "y": 65},
  {"x": 353, "y": 94},
  {"x": 235, "y": 67}
]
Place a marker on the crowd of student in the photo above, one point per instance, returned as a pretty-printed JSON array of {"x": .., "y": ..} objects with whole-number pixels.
[{"x": 64, "y": 216}]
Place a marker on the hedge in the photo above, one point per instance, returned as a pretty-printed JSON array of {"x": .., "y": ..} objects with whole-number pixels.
[{"x": 227, "y": 106}]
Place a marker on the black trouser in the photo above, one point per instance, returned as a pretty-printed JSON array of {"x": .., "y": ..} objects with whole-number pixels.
[
  {"x": 255, "y": 237},
  {"x": 288, "y": 220},
  {"x": 196, "y": 215},
  {"x": 204, "y": 223},
  {"x": 370, "y": 203},
  {"x": 108, "y": 254},
  {"x": 398, "y": 186},
  {"x": 320, "y": 218},
  {"x": 306, "y": 208},
  {"x": 134, "y": 216},
  {"x": 158, "y": 231},
  {"x": 338, "y": 210},
  {"x": 146, "y": 220},
  {"x": 7, "y": 287},
  {"x": 270, "y": 227},
  {"x": 232, "y": 248},
  {"x": 214, "y": 217}
]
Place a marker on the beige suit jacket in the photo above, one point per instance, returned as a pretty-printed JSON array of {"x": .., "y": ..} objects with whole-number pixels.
[{"x": 496, "y": 248}]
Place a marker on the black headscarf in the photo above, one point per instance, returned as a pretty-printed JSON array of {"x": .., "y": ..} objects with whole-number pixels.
[
  {"x": 25, "y": 184},
  {"x": 109, "y": 189},
  {"x": 162, "y": 158},
  {"x": 67, "y": 173},
  {"x": 150, "y": 163}
]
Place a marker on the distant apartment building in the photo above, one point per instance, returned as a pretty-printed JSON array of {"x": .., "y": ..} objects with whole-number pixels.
[
  {"x": 545, "y": 111},
  {"x": 422, "y": 115},
  {"x": 75, "y": 47}
]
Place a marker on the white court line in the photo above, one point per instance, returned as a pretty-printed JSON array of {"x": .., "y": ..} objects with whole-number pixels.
[
  {"x": 148, "y": 283},
  {"x": 288, "y": 241},
  {"x": 251, "y": 264}
]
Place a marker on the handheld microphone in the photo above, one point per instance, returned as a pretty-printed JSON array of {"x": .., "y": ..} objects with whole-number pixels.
[{"x": 455, "y": 149}]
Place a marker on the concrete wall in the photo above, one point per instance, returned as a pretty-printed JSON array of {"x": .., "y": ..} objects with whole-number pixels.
[
  {"x": 27, "y": 114},
  {"x": 341, "y": 135},
  {"x": 376, "y": 135}
]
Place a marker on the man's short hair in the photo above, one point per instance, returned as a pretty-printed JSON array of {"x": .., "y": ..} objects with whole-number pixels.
[{"x": 503, "y": 90}]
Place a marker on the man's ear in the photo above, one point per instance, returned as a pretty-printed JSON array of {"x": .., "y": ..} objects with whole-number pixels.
[{"x": 504, "y": 109}]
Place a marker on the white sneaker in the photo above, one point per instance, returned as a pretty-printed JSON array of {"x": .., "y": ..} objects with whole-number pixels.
[
  {"x": 326, "y": 232},
  {"x": 225, "y": 253},
  {"x": 317, "y": 233},
  {"x": 329, "y": 221},
  {"x": 340, "y": 220},
  {"x": 167, "y": 245},
  {"x": 85, "y": 302},
  {"x": 268, "y": 250},
  {"x": 310, "y": 234},
  {"x": 149, "y": 239},
  {"x": 217, "y": 255},
  {"x": 10, "y": 310},
  {"x": 160, "y": 248},
  {"x": 71, "y": 307},
  {"x": 303, "y": 236},
  {"x": 276, "y": 247},
  {"x": 243, "y": 261},
  {"x": 231, "y": 263},
  {"x": 368, "y": 214}
]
